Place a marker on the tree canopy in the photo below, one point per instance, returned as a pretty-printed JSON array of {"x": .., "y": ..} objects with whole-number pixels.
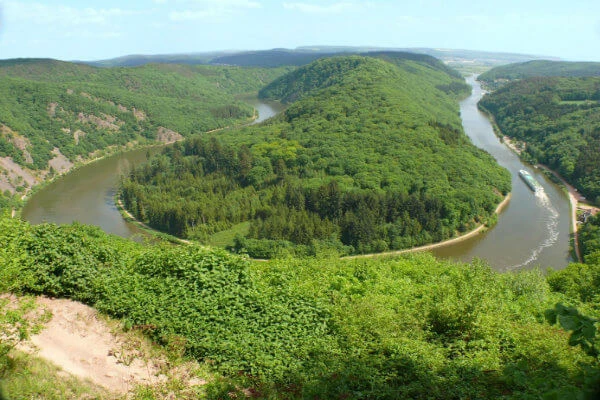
[
  {"x": 369, "y": 156},
  {"x": 559, "y": 120}
]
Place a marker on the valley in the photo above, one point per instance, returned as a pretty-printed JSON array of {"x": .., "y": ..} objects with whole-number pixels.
[{"x": 371, "y": 153}]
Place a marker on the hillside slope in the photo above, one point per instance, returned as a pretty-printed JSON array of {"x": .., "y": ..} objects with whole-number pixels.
[
  {"x": 371, "y": 156},
  {"x": 538, "y": 68},
  {"x": 559, "y": 120},
  {"x": 388, "y": 328},
  {"x": 53, "y": 113}
]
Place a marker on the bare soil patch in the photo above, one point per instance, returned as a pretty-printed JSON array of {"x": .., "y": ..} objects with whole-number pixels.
[
  {"x": 14, "y": 175},
  {"x": 60, "y": 163},
  {"x": 82, "y": 343},
  {"x": 165, "y": 135}
]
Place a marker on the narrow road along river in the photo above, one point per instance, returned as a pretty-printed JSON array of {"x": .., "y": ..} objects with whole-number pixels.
[{"x": 531, "y": 231}]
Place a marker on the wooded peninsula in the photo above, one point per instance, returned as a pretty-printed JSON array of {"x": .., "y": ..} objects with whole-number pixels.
[{"x": 369, "y": 156}]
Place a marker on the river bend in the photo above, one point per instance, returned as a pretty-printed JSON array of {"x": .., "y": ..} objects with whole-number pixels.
[{"x": 531, "y": 231}]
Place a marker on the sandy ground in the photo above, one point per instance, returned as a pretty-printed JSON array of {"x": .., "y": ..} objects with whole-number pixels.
[
  {"x": 81, "y": 343},
  {"x": 508, "y": 142}
]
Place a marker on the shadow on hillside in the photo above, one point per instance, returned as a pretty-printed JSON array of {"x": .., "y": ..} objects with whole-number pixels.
[{"x": 384, "y": 376}]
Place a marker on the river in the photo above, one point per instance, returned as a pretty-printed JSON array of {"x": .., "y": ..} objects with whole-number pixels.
[
  {"x": 87, "y": 194},
  {"x": 531, "y": 231}
]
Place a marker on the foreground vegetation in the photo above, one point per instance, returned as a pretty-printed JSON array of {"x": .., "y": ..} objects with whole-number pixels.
[
  {"x": 369, "y": 156},
  {"x": 402, "y": 327}
]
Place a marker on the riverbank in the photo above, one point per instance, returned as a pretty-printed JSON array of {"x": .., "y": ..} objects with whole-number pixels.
[
  {"x": 112, "y": 151},
  {"x": 107, "y": 152},
  {"x": 129, "y": 217},
  {"x": 432, "y": 246},
  {"x": 573, "y": 194},
  {"x": 577, "y": 201}
]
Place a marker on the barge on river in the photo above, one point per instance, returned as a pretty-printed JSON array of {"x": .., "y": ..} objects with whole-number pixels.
[{"x": 530, "y": 181}]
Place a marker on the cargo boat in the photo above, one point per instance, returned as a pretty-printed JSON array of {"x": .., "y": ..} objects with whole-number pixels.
[{"x": 530, "y": 181}]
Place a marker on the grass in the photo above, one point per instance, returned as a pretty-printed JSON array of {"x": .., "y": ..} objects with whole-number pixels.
[
  {"x": 225, "y": 238},
  {"x": 31, "y": 377}
]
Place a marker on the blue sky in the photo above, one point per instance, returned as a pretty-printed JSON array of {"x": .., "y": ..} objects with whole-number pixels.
[{"x": 91, "y": 30}]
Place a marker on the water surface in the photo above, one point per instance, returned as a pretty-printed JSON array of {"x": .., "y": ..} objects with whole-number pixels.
[
  {"x": 532, "y": 230},
  {"x": 87, "y": 194}
]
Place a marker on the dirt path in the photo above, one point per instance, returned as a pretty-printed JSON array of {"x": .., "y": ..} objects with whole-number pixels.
[{"x": 82, "y": 344}]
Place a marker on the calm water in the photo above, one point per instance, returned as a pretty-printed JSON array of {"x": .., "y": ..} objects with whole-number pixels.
[
  {"x": 87, "y": 194},
  {"x": 531, "y": 231}
]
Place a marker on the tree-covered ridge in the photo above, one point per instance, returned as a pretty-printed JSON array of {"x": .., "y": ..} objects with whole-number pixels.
[
  {"x": 389, "y": 328},
  {"x": 589, "y": 237},
  {"x": 78, "y": 109},
  {"x": 323, "y": 73},
  {"x": 370, "y": 159},
  {"x": 559, "y": 119},
  {"x": 539, "y": 68}
]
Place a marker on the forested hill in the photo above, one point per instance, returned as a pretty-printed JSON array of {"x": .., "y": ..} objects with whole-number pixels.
[
  {"x": 539, "y": 68},
  {"x": 323, "y": 73},
  {"x": 372, "y": 157},
  {"x": 559, "y": 120},
  {"x": 54, "y": 113}
]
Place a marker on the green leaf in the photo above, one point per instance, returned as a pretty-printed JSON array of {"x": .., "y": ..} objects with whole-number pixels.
[{"x": 569, "y": 322}]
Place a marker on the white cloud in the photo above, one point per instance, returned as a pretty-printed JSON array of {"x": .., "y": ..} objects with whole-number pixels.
[
  {"x": 61, "y": 15},
  {"x": 190, "y": 15},
  {"x": 309, "y": 8},
  {"x": 205, "y": 9}
]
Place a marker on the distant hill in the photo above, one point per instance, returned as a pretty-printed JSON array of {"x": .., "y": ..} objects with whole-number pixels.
[
  {"x": 540, "y": 68},
  {"x": 135, "y": 60},
  {"x": 323, "y": 73},
  {"x": 305, "y": 55},
  {"x": 271, "y": 58}
]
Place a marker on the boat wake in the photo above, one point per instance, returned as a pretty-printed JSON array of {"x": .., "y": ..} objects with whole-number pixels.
[{"x": 543, "y": 201}]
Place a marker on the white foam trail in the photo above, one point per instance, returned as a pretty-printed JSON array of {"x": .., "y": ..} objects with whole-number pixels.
[{"x": 543, "y": 201}]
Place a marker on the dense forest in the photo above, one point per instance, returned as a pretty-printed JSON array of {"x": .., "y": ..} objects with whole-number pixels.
[
  {"x": 589, "y": 237},
  {"x": 369, "y": 156},
  {"x": 50, "y": 108},
  {"x": 387, "y": 328},
  {"x": 559, "y": 120},
  {"x": 498, "y": 76}
]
